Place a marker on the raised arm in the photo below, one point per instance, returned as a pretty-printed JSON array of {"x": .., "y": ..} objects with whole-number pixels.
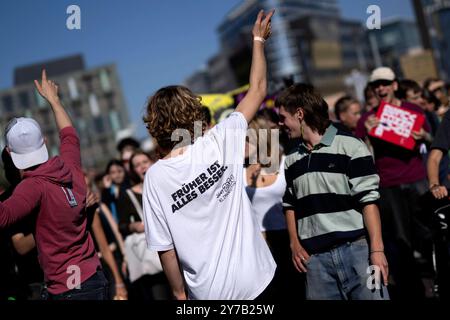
[
  {"x": 49, "y": 91},
  {"x": 258, "y": 72}
]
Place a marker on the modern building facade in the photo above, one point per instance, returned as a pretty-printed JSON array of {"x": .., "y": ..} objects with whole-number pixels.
[
  {"x": 310, "y": 42},
  {"x": 93, "y": 98}
]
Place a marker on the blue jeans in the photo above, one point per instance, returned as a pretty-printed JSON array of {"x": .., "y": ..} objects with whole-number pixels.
[
  {"x": 94, "y": 288},
  {"x": 342, "y": 274}
]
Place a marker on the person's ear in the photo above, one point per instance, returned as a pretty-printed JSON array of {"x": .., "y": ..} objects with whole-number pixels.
[
  {"x": 300, "y": 114},
  {"x": 395, "y": 85},
  {"x": 7, "y": 150}
]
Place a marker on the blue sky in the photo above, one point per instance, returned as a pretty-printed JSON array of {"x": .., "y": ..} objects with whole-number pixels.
[{"x": 153, "y": 42}]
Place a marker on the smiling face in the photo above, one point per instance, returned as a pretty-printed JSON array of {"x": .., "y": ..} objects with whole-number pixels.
[
  {"x": 385, "y": 90},
  {"x": 415, "y": 97},
  {"x": 140, "y": 164},
  {"x": 290, "y": 123}
]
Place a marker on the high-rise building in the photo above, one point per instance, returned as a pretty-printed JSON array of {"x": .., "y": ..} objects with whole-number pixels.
[
  {"x": 93, "y": 98},
  {"x": 283, "y": 51},
  {"x": 433, "y": 17},
  {"x": 310, "y": 42}
]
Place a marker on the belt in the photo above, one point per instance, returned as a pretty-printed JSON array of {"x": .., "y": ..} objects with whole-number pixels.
[{"x": 340, "y": 244}]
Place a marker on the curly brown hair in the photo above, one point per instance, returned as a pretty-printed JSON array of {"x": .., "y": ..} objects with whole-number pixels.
[{"x": 171, "y": 108}]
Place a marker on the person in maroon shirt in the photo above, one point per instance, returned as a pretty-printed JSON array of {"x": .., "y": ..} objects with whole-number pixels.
[
  {"x": 56, "y": 189},
  {"x": 402, "y": 182}
]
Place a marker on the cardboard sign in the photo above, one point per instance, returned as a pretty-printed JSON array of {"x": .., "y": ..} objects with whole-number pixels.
[{"x": 397, "y": 124}]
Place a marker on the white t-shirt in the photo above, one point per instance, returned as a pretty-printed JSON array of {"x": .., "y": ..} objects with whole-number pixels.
[
  {"x": 267, "y": 202},
  {"x": 196, "y": 203}
]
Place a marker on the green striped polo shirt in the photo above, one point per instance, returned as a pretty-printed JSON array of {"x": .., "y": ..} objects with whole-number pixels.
[{"x": 328, "y": 187}]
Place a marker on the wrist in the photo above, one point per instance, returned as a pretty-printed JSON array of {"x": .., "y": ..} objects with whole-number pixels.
[
  {"x": 53, "y": 100},
  {"x": 259, "y": 39},
  {"x": 434, "y": 186}
]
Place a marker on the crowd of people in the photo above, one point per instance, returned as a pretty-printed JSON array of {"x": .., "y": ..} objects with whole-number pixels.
[{"x": 293, "y": 203}]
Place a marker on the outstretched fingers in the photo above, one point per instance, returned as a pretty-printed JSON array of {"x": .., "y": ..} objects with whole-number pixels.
[
  {"x": 269, "y": 16},
  {"x": 260, "y": 16}
]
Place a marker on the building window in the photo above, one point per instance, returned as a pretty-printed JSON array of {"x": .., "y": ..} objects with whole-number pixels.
[
  {"x": 7, "y": 103},
  {"x": 24, "y": 99},
  {"x": 104, "y": 81},
  {"x": 93, "y": 104},
  {"x": 99, "y": 125},
  {"x": 73, "y": 90},
  {"x": 77, "y": 108},
  {"x": 114, "y": 120},
  {"x": 88, "y": 81}
]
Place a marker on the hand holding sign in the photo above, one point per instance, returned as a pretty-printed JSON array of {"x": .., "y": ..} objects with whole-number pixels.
[{"x": 397, "y": 125}]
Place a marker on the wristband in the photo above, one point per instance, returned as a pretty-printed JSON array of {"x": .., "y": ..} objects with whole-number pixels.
[
  {"x": 374, "y": 251},
  {"x": 260, "y": 39}
]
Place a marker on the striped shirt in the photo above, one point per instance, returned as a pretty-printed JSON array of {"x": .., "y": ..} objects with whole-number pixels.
[{"x": 328, "y": 187}]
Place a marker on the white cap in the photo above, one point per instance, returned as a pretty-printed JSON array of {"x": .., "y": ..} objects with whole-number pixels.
[
  {"x": 382, "y": 73},
  {"x": 26, "y": 143}
]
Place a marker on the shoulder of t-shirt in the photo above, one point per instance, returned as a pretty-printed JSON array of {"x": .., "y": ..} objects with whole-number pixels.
[
  {"x": 236, "y": 117},
  {"x": 412, "y": 107},
  {"x": 154, "y": 174}
]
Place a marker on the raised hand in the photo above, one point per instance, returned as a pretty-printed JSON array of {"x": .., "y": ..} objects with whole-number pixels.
[
  {"x": 262, "y": 27},
  {"x": 47, "y": 88}
]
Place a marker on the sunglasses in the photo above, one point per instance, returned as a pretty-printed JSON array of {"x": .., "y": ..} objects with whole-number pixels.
[{"x": 384, "y": 83}]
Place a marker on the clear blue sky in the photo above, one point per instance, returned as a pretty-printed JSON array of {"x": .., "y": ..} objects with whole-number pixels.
[{"x": 153, "y": 42}]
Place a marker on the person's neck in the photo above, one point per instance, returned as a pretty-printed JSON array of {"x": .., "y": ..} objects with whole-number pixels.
[
  {"x": 311, "y": 138},
  {"x": 175, "y": 152},
  {"x": 395, "y": 101}
]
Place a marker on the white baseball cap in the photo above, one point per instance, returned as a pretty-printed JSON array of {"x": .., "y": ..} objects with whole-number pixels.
[
  {"x": 25, "y": 142},
  {"x": 382, "y": 73}
]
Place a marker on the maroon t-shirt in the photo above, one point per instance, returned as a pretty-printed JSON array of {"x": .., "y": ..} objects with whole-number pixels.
[
  {"x": 395, "y": 165},
  {"x": 58, "y": 189}
]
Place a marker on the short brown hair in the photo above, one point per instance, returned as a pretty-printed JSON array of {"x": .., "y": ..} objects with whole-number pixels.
[
  {"x": 342, "y": 105},
  {"x": 171, "y": 108},
  {"x": 304, "y": 96}
]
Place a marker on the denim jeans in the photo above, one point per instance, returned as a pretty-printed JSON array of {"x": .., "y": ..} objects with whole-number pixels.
[
  {"x": 342, "y": 274},
  {"x": 94, "y": 288}
]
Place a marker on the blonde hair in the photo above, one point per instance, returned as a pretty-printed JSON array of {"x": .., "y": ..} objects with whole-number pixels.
[{"x": 171, "y": 108}]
